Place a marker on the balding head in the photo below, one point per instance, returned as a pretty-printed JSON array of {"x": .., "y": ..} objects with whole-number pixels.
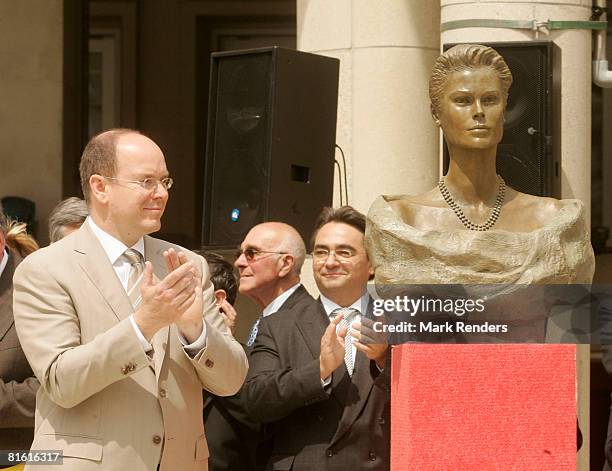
[
  {"x": 99, "y": 157},
  {"x": 278, "y": 253},
  {"x": 283, "y": 238}
]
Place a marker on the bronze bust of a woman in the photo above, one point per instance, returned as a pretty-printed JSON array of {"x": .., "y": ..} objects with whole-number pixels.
[{"x": 472, "y": 227}]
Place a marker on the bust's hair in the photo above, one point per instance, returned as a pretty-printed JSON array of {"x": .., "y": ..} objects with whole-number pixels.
[
  {"x": 16, "y": 236},
  {"x": 463, "y": 57}
]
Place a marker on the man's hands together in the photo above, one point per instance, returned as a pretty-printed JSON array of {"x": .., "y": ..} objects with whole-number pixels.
[
  {"x": 373, "y": 344},
  {"x": 175, "y": 299}
]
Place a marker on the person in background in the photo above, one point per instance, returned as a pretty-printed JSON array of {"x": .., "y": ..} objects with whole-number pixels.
[
  {"x": 67, "y": 216},
  {"x": 269, "y": 262},
  {"x": 232, "y": 436},
  {"x": 225, "y": 283},
  {"x": 18, "y": 385}
]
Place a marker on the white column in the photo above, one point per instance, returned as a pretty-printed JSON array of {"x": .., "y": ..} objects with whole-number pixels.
[{"x": 386, "y": 51}]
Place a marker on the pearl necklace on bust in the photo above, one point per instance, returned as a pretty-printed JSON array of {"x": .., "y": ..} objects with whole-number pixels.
[{"x": 491, "y": 220}]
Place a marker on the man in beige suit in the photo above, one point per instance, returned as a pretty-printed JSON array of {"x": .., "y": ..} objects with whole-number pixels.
[{"x": 123, "y": 347}]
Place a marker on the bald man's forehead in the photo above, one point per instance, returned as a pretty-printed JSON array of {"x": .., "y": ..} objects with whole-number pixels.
[
  {"x": 134, "y": 142},
  {"x": 263, "y": 236}
]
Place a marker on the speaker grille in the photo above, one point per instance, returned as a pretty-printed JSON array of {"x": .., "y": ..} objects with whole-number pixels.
[{"x": 240, "y": 169}]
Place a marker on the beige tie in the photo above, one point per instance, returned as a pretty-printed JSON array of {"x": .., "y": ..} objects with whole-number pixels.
[{"x": 135, "y": 259}]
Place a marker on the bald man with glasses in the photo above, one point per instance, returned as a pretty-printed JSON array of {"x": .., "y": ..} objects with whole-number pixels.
[
  {"x": 269, "y": 262},
  {"x": 120, "y": 328}
]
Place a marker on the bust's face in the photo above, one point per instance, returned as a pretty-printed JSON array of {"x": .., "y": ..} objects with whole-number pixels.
[{"x": 471, "y": 111}]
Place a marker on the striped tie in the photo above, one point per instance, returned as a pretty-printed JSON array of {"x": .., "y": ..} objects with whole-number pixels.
[
  {"x": 135, "y": 259},
  {"x": 348, "y": 316},
  {"x": 253, "y": 334}
]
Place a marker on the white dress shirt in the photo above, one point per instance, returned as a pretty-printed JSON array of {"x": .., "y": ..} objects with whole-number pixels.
[
  {"x": 279, "y": 301},
  {"x": 114, "y": 249}
]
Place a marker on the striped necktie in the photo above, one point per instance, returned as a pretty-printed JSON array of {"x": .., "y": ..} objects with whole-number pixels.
[
  {"x": 135, "y": 259},
  {"x": 348, "y": 317},
  {"x": 253, "y": 333}
]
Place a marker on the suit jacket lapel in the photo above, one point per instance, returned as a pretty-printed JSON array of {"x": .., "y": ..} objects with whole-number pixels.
[
  {"x": 6, "y": 294},
  {"x": 154, "y": 254},
  {"x": 96, "y": 265},
  {"x": 295, "y": 297},
  {"x": 312, "y": 329},
  {"x": 359, "y": 391}
]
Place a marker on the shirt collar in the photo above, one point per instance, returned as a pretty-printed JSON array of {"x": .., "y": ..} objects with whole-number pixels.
[
  {"x": 4, "y": 261},
  {"x": 113, "y": 247},
  {"x": 279, "y": 301},
  {"x": 361, "y": 304}
]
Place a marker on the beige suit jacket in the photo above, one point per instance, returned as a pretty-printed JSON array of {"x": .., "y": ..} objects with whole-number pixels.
[{"x": 103, "y": 401}]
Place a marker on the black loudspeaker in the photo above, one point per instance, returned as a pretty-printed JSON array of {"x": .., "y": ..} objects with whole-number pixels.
[
  {"x": 528, "y": 155},
  {"x": 270, "y": 142}
]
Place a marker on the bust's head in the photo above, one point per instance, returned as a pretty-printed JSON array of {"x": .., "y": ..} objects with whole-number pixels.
[
  {"x": 464, "y": 57},
  {"x": 468, "y": 89}
]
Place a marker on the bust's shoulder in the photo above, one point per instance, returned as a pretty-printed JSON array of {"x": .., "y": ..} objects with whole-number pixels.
[
  {"x": 546, "y": 211},
  {"x": 410, "y": 210},
  {"x": 544, "y": 205}
]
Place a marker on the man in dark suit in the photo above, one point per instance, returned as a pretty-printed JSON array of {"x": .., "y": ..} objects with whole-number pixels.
[
  {"x": 17, "y": 382},
  {"x": 323, "y": 383},
  {"x": 269, "y": 262}
]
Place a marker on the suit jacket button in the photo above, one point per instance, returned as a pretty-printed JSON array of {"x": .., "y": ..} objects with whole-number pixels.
[
  {"x": 156, "y": 439},
  {"x": 124, "y": 370},
  {"x": 320, "y": 418},
  {"x": 372, "y": 456},
  {"x": 330, "y": 453},
  {"x": 209, "y": 363},
  {"x": 381, "y": 420},
  {"x": 162, "y": 393}
]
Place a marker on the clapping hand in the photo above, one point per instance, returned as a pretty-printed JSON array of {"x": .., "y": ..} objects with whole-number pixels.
[
  {"x": 372, "y": 343},
  {"x": 190, "y": 322},
  {"x": 332, "y": 348},
  {"x": 165, "y": 301}
]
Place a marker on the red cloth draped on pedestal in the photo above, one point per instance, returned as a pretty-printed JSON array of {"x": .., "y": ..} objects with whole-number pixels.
[{"x": 483, "y": 407}]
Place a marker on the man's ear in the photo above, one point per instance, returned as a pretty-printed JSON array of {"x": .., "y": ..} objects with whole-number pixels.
[
  {"x": 220, "y": 296},
  {"x": 2, "y": 244},
  {"x": 286, "y": 268},
  {"x": 98, "y": 188}
]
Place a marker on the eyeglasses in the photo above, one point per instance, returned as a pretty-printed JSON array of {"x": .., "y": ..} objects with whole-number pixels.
[
  {"x": 148, "y": 184},
  {"x": 342, "y": 255},
  {"x": 252, "y": 254}
]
